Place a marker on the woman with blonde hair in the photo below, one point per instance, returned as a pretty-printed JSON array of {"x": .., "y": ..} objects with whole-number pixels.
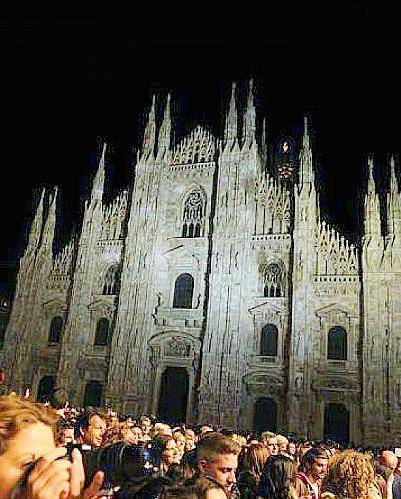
[{"x": 351, "y": 475}]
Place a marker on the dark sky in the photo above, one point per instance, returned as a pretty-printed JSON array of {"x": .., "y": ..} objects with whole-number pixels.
[{"x": 68, "y": 80}]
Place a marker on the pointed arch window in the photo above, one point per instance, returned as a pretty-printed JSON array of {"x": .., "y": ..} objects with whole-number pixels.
[
  {"x": 193, "y": 215},
  {"x": 102, "y": 333},
  {"x": 55, "y": 330},
  {"x": 337, "y": 344},
  {"x": 111, "y": 283},
  {"x": 274, "y": 281},
  {"x": 269, "y": 340},
  {"x": 183, "y": 291}
]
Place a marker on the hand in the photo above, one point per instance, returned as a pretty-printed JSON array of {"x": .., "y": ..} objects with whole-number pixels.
[
  {"x": 50, "y": 478},
  {"x": 77, "y": 480}
]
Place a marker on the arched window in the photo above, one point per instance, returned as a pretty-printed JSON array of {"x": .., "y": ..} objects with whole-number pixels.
[
  {"x": 45, "y": 388},
  {"x": 183, "y": 291},
  {"x": 274, "y": 281},
  {"x": 193, "y": 215},
  {"x": 93, "y": 394},
  {"x": 111, "y": 285},
  {"x": 56, "y": 328},
  {"x": 265, "y": 415},
  {"x": 337, "y": 344},
  {"x": 102, "y": 333},
  {"x": 269, "y": 340}
]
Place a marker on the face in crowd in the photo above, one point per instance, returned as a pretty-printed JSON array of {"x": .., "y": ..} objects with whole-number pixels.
[
  {"x": 171, "y": 453},
  {"x": 145, "y": 425},
  {"x": 65, "y": 437},
  {"x": 94, "y": 433},
  {"x": 222, "y": 469},
  {"x": 291, "y": 448},
  {"x": 271, "y": 444},
  {"x": 319, "y": 469},
  {"x": 24, "y": 449}
]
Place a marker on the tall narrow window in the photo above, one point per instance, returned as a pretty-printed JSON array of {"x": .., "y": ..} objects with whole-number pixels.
[
  {"x": 337, "y": 344},
  {"x": 269, "y": 340},
  {"x": 183, "y": 291},
  {"x": 102, "y": 333},
  {"x": 111, "y": 284},
  {"x": 193, "y": 215},
  {"x": 274, "y": 281},
  {"x": 56, "y": 328}
]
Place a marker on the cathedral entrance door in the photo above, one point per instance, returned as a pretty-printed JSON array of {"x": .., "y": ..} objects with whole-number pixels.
[
  {"x": 93, "y": 394},
  {"x": 336, "y": 423},
  {"x": 173, "y": 399},
  {"x": 265, "y": 415}
]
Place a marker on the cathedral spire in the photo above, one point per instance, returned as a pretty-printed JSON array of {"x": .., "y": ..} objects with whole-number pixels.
[
  {"x": 372, "y": 206},
  {"x": 98, "y": 181},
  {"x": 164, "y": 142},
  {"x": 393, "y": 204},
  {"x": 50, "y": 223},
  {"x": 306, "y": 173},
  {"x": 149, "y": 137},
  {"x": 37, "y": 225},
  {"x": 249, "y": 128},
  {"x": 231, "y": 125}
]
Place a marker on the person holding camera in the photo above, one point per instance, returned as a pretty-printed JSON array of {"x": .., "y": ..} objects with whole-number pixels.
[{"x": 31, "y": 466}]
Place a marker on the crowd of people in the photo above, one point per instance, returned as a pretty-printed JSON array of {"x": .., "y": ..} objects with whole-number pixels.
[{"x": 53, "y": 451}]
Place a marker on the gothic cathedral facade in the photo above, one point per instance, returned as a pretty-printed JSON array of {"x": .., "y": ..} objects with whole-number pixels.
[{"x": 211, "y": 291}]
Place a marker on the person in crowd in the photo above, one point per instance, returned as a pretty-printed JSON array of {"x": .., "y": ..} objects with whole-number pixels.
[
  {"x": 130, "y": 434},
  {"x": 170, "y": 452},
  {"x": 65, "y": 433},
  {"x": 252, "y": 468},
  {"x": 203, "y": 429},
  {"x": 271, "y": 444},
  {"x": 217, "y": 462},
  {"x": 397, "y": 470},
  {"x": 180, "y": 440},
  {"x": 90, "y": 428},
  {"x": 277, "y": 478},
  {"x": 189, "y": 439},
  {"x": 59, "y": 401},
  {"x": 31, "y": 467},
  {"x": 351, "y": 475},
  {"x": 389, "y": 461},
  {"x": 282, "y": 445},
  {"x": 312, "y": 470},
  {"x": 146, "y": 425},
  {"x": 292, "y": 449}
]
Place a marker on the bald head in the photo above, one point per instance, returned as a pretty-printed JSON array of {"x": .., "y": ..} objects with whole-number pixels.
[{"x": 389, "y": 459}]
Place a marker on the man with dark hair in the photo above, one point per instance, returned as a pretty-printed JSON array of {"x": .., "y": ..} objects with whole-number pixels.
[
  {"x": 312, "y": 470},
  {"x": 59, "y": 400},
  {"x": 90, "y": 428}
]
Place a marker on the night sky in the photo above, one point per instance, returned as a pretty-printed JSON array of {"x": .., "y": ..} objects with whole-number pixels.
[{"x": 69, "y": 82}]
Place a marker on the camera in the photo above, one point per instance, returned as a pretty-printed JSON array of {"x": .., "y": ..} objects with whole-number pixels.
[{"x": 122, "y": 463}]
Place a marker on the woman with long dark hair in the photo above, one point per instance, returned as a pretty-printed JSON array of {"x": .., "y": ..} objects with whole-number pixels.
[{"x": 277, "y": 478}]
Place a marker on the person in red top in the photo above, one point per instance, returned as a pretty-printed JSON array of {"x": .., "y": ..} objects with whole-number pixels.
[{"x": 312, "y": 470}]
